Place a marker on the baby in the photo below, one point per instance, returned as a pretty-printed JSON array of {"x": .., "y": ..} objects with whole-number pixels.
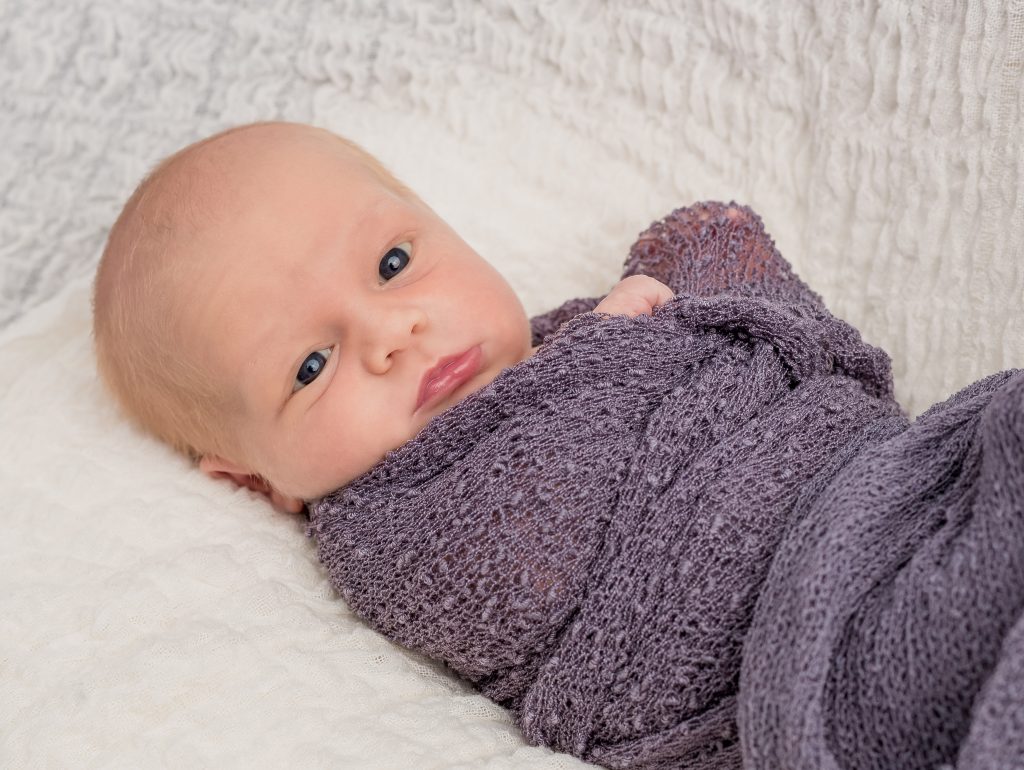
[
  {"x": 710, "y": 537},
  {"x": 276, "y": 305}
]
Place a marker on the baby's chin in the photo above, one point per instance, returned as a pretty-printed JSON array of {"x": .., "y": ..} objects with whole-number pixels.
[{"x": 426, "y": 420}]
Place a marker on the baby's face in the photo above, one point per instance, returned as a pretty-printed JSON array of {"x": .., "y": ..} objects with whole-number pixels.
[{"x": 325, "y": 298}]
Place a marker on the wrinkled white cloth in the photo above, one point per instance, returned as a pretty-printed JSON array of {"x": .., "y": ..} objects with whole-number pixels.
[{"x": 152, "y": 616}]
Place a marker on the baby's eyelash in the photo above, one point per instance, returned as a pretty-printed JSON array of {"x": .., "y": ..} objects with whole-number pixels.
[
  {"x": 325, "y": 354},
  {"x": 404, "y": 247}
]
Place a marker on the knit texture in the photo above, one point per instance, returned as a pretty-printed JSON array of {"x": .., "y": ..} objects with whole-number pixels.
[
  {"x": 584, "y": 538},
  {"x": 890, "y": 630}
]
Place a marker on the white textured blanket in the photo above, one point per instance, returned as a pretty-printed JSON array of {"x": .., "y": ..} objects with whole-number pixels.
[{"x": 150, "y": 616}]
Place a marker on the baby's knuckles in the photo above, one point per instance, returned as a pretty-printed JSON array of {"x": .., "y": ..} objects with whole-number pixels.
[{"x": 635, "y": 295}]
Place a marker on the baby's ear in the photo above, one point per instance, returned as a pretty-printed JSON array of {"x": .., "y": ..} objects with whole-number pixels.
[{"x": 217, "y": 467}]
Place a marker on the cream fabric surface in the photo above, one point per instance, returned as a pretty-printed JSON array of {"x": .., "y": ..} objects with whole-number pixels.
[{"x": 150, "y": 616}]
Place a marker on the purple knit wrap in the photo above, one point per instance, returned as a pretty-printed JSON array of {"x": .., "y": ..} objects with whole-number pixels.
[{"x": 585, "y": 538}]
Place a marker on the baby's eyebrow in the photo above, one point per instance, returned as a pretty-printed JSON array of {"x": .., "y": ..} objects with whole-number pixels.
[
  {"x": 266, "y": 365},
  {"x": 255, "y": 373}
]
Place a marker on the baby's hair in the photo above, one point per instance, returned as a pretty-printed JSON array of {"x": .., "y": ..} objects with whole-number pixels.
[{"x": 139, "y": 296}]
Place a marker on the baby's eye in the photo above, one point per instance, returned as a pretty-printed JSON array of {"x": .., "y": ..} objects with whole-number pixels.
[
  {"x": 310, "y": 368},
  {"x": 396, "y": 259}
]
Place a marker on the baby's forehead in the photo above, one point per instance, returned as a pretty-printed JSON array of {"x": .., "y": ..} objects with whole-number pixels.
[
  {"x": 232, "y": 200},
  {"x": 282, "y": 147}
]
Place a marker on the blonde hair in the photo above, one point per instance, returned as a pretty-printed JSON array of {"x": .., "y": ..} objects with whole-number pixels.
[{"x": 138, "y": 301}]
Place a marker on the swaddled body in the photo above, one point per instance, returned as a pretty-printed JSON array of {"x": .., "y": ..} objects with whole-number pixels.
[{"x": 584, "y": 538}]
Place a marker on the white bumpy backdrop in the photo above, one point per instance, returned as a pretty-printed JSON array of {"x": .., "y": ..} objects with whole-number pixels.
[{"x": 150, "y": 616}]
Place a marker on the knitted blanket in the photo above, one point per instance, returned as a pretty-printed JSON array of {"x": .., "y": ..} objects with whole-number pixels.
[
  {"x": 585, "y": 539},
  {"x": 890, "y": 631}
]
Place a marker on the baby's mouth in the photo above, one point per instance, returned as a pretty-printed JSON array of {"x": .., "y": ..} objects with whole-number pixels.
[{"x": 447, "y": 375}]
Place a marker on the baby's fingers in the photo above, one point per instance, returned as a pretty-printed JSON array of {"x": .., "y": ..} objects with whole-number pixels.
[
  {"x": 662, "y": 294},
  {"x": 635, "y": 295},
  {"x": 653, "y": 291}
]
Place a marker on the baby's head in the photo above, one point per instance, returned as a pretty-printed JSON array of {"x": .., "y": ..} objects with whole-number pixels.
[{"x": 270, "y": 298}]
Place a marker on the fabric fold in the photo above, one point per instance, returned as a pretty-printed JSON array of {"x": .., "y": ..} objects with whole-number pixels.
[{"x": 885, "y": 612}]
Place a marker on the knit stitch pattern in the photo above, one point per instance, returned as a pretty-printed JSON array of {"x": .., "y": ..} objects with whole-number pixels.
[{"x": 890, "y": 630}]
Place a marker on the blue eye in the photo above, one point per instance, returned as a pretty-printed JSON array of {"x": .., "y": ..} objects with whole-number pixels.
[
  {"x": 395, "y": 260},
  {"x": 311, "y": 368}
]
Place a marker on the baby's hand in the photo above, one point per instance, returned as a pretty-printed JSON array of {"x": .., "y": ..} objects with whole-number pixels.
[{"x": 635, "y": 295}]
